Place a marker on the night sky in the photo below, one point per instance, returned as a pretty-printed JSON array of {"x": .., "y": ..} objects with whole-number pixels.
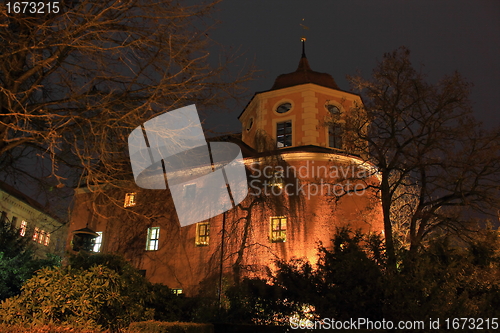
[{"x": 346, "y": 36}]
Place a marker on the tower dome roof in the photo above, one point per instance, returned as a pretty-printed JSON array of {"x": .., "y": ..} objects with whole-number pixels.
[{"x": 304, "y": 74}]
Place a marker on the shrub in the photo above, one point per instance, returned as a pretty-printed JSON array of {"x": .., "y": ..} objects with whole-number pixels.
[
  {"x": 135, "y": 289},
  {"x": 86, "y": 299}
]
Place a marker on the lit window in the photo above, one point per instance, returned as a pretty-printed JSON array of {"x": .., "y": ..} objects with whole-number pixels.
[
  {"x": 97, "y": 242},
  {"x": 278, "y": 229},
  {"x": 284, "y": 134},
  {"x": 190, "y": 191},
  {"x": 202, "y": 233},
  {"x": 153, "y": 239},
  {"x": 335, "y": 133},
  {"x": 36, "y": 234},
  {"x": 129, "y": 200},
  {"x": 177, "y": 291},
  {"x": 24, "y": 226},
  {"x": 41, "y": 238},
  {"x": 47, "y": 239}
]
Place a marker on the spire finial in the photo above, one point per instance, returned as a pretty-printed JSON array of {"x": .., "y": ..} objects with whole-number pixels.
[{"x": 303, "y": 39}]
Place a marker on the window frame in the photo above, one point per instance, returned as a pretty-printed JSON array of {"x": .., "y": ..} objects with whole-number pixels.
[
  {"x": 278, "y": 235},
  {"x": 335, "y": 133},
  {"x": 36, "y": 234},
  {"x": 98, "y": 242},
  {"x": 41, "y": 238},
  {"x": 189, "y": 191},
  {"x": 23, "y": 227},
  {"x": 202, "y": 240},
  {"x": 46, "y": 241},
  {"x": 335, "y": 128},
  {"x": 153, "y": 232},
  {"x": 130, "y": 199},
  {"x": 283, "y": 137},
  {"x": 176, "y": 291}
]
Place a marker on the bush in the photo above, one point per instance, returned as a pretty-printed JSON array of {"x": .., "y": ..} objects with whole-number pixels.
[
  {"x": 135, "y": 289},
  {"x": 97, "y": 291},
  {"x": 76, "y": 298},
  {"x": 144, "y": 300}
]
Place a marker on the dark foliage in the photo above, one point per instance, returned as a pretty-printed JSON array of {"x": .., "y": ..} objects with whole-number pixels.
[
  {"x": 351, "y": 280},
  {"x": 17, "y": 261}
]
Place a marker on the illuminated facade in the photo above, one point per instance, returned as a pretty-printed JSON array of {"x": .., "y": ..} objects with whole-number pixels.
[
  {"x": 298, "y": 169},
  {"x": 29, "y": 217}
]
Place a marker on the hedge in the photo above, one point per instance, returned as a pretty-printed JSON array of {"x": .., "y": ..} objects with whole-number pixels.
[
  {"x": 169, "y": 327},
  {"x": 43, "y": 329},
  {"x": 138, "y": 327}
]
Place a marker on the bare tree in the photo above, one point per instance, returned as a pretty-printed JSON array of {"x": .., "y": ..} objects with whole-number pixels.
[
  {"x": 434, "y": 161},
  {"x": 75, "y": 80}
]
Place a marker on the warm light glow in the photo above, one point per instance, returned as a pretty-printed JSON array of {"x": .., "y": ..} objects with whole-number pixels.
[
  {"x": 22, "y": 230},
  {"x": 36, "y": 234},
  {"x": 202, "y": 233},
  {"x": 129, "y": 200},
  {"x": 278, "y": 229},
  {"x": 97, "y": 242}
]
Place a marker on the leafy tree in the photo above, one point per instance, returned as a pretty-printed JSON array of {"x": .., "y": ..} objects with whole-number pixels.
[
  {"x": 434, "y": 160},
  {"x": 345, "y": 282},
  {"x": 351, "y": 280},
  {"x": 446, "y": 280}
]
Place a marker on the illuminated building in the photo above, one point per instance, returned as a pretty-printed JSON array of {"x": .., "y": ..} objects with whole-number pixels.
[
  {"x": 298, "y": 166},
  {"x": 31, "y": 219}
]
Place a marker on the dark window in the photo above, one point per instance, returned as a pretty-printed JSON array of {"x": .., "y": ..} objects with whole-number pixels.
[
  {"x": 190, "y": 191},
  {"x": 13, "y": 223},
  {"x": 334, "y": 111},
  {"x": 335, "y": 134},
  {"x": 283, "y": 108},
  {"x": 284, "y": 134}
]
